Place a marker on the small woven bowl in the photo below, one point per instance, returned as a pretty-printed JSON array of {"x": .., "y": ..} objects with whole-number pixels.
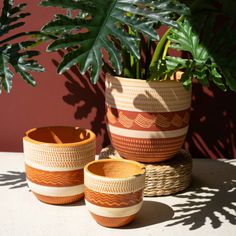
[
  {"x": 54, "y": 161},
  {"x": 162, "y": 178},
  {"x": 114, "y": 190}
]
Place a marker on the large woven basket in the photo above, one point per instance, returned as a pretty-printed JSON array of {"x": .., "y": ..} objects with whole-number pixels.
[
  {"x": 162, "y": 178},
  {"x": 147, "y": 121}
]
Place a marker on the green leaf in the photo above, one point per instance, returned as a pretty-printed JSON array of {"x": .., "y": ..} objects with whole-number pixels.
[
  {"x": 104, "y": 25},
  {"x": 9, "y": 17},
  {"x": 5, "y": 74},
  {"x": 219, "y": 41},
  {"x": 83, "y": 5},
  {"x": 202, "y": 65},
  {"x": 61, "y": 24},
  {"x": 15, "y": 55}
]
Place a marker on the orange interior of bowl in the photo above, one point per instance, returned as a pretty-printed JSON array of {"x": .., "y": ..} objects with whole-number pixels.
[
  {"x": 60, "y": 134},
  {"x": 115, "y": 168}
]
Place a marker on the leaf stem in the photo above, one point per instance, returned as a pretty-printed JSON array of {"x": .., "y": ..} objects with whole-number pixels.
[
  {"x": 160, "y": 45},
  {"x": 158, "y": 49}
]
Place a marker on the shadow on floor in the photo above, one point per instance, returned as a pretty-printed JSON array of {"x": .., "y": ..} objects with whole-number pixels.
[
  {"x": 14, "y": 179},
  {"x": 211, "y": 197},
  {"x": 151, "y": 213}
]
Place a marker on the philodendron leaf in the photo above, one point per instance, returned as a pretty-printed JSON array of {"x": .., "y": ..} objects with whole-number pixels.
[
  {"x": 10, "y": 16},
  {"x": 62, "y": 24},
  {"x": 216, "y": 25},
  {"x": 5, "y": 74},
  {"x": 16, "y": 56},
  {"x": 102, "y": 25},
  {"x": 202, "y": 65},
  {"x": 19, "y": 58}
]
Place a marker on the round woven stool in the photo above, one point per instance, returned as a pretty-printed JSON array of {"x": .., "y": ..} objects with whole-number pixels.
[{"x": 162, "y": 178}]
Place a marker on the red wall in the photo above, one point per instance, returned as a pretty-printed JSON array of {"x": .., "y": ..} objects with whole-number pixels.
[
  {"x": 56, "y": 100},
  {"x": 71, "y": 100}
]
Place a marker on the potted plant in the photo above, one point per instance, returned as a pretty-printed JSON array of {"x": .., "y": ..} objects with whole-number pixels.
[
  {"x": 15, "y": 53},
  {"x": 147, "y": 115}
]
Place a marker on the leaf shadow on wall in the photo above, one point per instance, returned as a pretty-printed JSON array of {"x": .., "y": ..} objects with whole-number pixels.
[
  {"x": 211, "y": 197},
  {"x": 15, "y": 179},
  {"x": 212, "y": 131},
  {"x": 87, "y": 99}
]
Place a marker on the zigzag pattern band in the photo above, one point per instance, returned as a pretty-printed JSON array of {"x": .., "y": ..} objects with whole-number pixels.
[
  {"x": 113, "y": 200},
  {"x": 55, "y": 178}
]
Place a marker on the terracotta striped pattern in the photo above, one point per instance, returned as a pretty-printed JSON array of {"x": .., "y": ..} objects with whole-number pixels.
[
  {"x": 113, "y": 202},
  {"x": 147, "y": 121},
  {"x": 55, "y": 173}
]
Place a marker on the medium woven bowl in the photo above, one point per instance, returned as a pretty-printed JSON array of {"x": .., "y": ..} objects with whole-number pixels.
[
  {"x": 162, "y": 178},
  {"x": 114, "y": 190},
  {"x": 54, "y": 161}
]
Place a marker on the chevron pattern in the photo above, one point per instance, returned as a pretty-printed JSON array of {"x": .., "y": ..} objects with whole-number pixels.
[
  {"x": 55, "y": 178},
  {"x": 113, "y": 200}
]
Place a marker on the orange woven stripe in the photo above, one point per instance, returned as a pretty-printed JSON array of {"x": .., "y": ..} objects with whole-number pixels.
[
  {"x": 146, "y": 150},
  {"x": 155, "y": 121},
  {"x": 113, "y": 222},
  {"x": 146, "y": 145},
  {"x": 54, "y": 178},
  {"x": 59, "y": 200},
  {"x": 113, "y": 200}
]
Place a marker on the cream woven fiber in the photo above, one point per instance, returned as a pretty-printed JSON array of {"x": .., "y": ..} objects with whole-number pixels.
[
  {"x": 162, "y": 178},
  {"x": 59, "y": 158},
  {"x": 164, "y": 99},
  {"x": 114, "y": 185}
]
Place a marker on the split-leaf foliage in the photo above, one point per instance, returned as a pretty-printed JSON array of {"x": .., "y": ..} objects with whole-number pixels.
[
  {"x": 16, "y": 55},
  {"x": 126, "y": 29}
]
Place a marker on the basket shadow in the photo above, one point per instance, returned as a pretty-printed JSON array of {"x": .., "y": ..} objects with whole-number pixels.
[{"x": 151, "y": 213}]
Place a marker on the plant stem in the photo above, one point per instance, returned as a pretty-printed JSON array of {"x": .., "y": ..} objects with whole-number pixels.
[
  {"x": 165, "y": 49},
  {"x": 137, "y": 67},
  {"x": 126, "y": 63},
  {"x": 160, "y": 45},
  {"x": 158, "y": 49}
]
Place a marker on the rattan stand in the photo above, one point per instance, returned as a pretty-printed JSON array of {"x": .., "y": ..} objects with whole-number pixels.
[{"x": 162, "y": 178}]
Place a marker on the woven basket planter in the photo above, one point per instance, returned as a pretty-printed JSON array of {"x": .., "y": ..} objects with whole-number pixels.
[
  {"x": 162, "y": 178},
  {"x": 114, "y": 190},
  {"x": 147, "y": 121},
  {"x": 54, "y": 162}
]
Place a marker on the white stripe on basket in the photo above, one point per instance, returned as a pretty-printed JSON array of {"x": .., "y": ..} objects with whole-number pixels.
[
  {"x": 113, "y": 212},
  {"x": 56, "y": 191},
  {"x": 147, "y": 134}
]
